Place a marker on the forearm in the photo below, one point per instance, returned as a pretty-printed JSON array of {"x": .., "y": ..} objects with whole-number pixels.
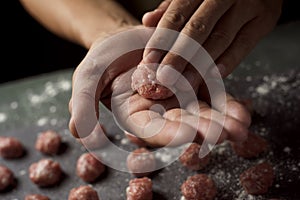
[{"x": 80, "y": 21}]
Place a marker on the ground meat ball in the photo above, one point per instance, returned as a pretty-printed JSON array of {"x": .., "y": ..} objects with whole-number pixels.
[
  {"x": 48, "y": 142},
  {"x": 83, "y": 193},
  {"x": 139, "y": 189},
  {"x": 36, "y": 197},
  {"x": 252, "y": 147},
  {"x": 145, "y": 83},
  {"x": 89, "y": 168},
  {"x": 141, "y": 162},
  {"x": 199, "y": 187},
  {"x": 257, "y": 179},
  {"x": 190, "y": 158},
  {"x": 154, "y": 91},
  {"x": 7, "y": 178},
  {"x": 45, "y": 172},
  {"x": 10, "y": 147}
]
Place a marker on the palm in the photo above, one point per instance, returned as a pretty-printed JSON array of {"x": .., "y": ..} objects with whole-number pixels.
[
  {"x": 168, "y": 122},
  {"x": 158, "y": 122}
]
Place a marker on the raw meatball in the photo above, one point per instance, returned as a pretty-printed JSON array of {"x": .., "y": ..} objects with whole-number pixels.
[
  {"x": 7, "y": 178},
  {"x": 250, "y": 148},
  {"x": 10, "y": 147},
  {"x": 45, "y": 172},
  {"x": 36, "y": 197},
  {"x": 48, "y": 142},
  {"x": 145, "y": 83},
  {"x": 199, "y": 187},
  {"x": 89, "y": 168},
  {"x": 83, "y": 193},
  {"x": 139, "y": 189},
  {"x": 190, "y": 158},
  {"x": 141, "y": 162},
  {"x": 257, "y": 179}
]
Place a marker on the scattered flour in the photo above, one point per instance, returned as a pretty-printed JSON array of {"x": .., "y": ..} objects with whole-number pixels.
[
  {"x": 51, "y": 89},
  {"x": 14, "y": 105},
  {"x": 3, "y": 117},
  {"x": 42, "y": 121}
]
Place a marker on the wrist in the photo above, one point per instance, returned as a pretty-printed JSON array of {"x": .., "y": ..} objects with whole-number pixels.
[{"x": 104, "y": 18}]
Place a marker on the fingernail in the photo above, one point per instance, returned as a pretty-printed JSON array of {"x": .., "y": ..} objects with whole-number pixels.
[
  {"x": 167, "y": 75},
  {"x": 152, "y": 57}
]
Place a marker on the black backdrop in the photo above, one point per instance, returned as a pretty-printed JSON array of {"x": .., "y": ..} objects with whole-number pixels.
[{"x": 29, "y": 49}]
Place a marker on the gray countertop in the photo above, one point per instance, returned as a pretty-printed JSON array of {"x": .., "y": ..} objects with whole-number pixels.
[{"x": 270, "y": 76}]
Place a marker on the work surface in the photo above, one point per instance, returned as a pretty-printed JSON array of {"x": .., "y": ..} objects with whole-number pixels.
[{"x": 270, "y": 76}]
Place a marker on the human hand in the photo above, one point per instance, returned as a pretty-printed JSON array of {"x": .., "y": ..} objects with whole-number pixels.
[
  {"x": 92, "y": 82},
  {"x": 227, "y": 29},
  {"x": 169, "y": 122}
]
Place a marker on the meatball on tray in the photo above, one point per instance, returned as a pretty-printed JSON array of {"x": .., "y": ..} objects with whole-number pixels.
[{"x": 40, "y": 104}]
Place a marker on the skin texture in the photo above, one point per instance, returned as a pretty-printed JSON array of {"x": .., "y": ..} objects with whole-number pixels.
[
  {"x": 228, "y": 31},
  {"x": 69, "y": 19},
  {"x": 135, "y": 140}
]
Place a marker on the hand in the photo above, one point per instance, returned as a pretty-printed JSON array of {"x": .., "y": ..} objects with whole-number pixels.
[
  {"x": 163, "y": 122},
  {"x": 227, "y": 29},
  {"x": 113, "y": 90}
]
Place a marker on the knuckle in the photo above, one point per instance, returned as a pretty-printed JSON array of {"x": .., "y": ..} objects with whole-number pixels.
[
  {"x": 86, "y": 93},
  {"x": 196, "y": 27},
  {"x": 245, "y": 42},
  {"x": 174, "y": 18},
  {"x": 224, "y": 37},
  {"x": 187, "y": 3}
]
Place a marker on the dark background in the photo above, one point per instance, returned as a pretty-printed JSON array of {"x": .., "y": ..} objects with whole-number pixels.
[{"x": 29, "y": 49}]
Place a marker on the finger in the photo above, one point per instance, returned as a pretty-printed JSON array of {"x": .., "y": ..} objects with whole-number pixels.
[
  {"x": 242, "y": 45},
  {"x": 158, "y": 131},
  {"x": 89, "y": 82},
  {"x": 238, "y": 111},
  {"x": 235, "y": 129},
  {"x": 225, "y": 30},
  {"x": 151, "y": 19},
  {"x": 174, "y": 18},
  {"x": 205, "y": 127},
  {"x": 134, "y": 139},
  {"x": 87, "y": 93},
  {"x": 198, "y": 27},
  {"x": 227, "y": 105},
  {"x": 190, "y": 79}
]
